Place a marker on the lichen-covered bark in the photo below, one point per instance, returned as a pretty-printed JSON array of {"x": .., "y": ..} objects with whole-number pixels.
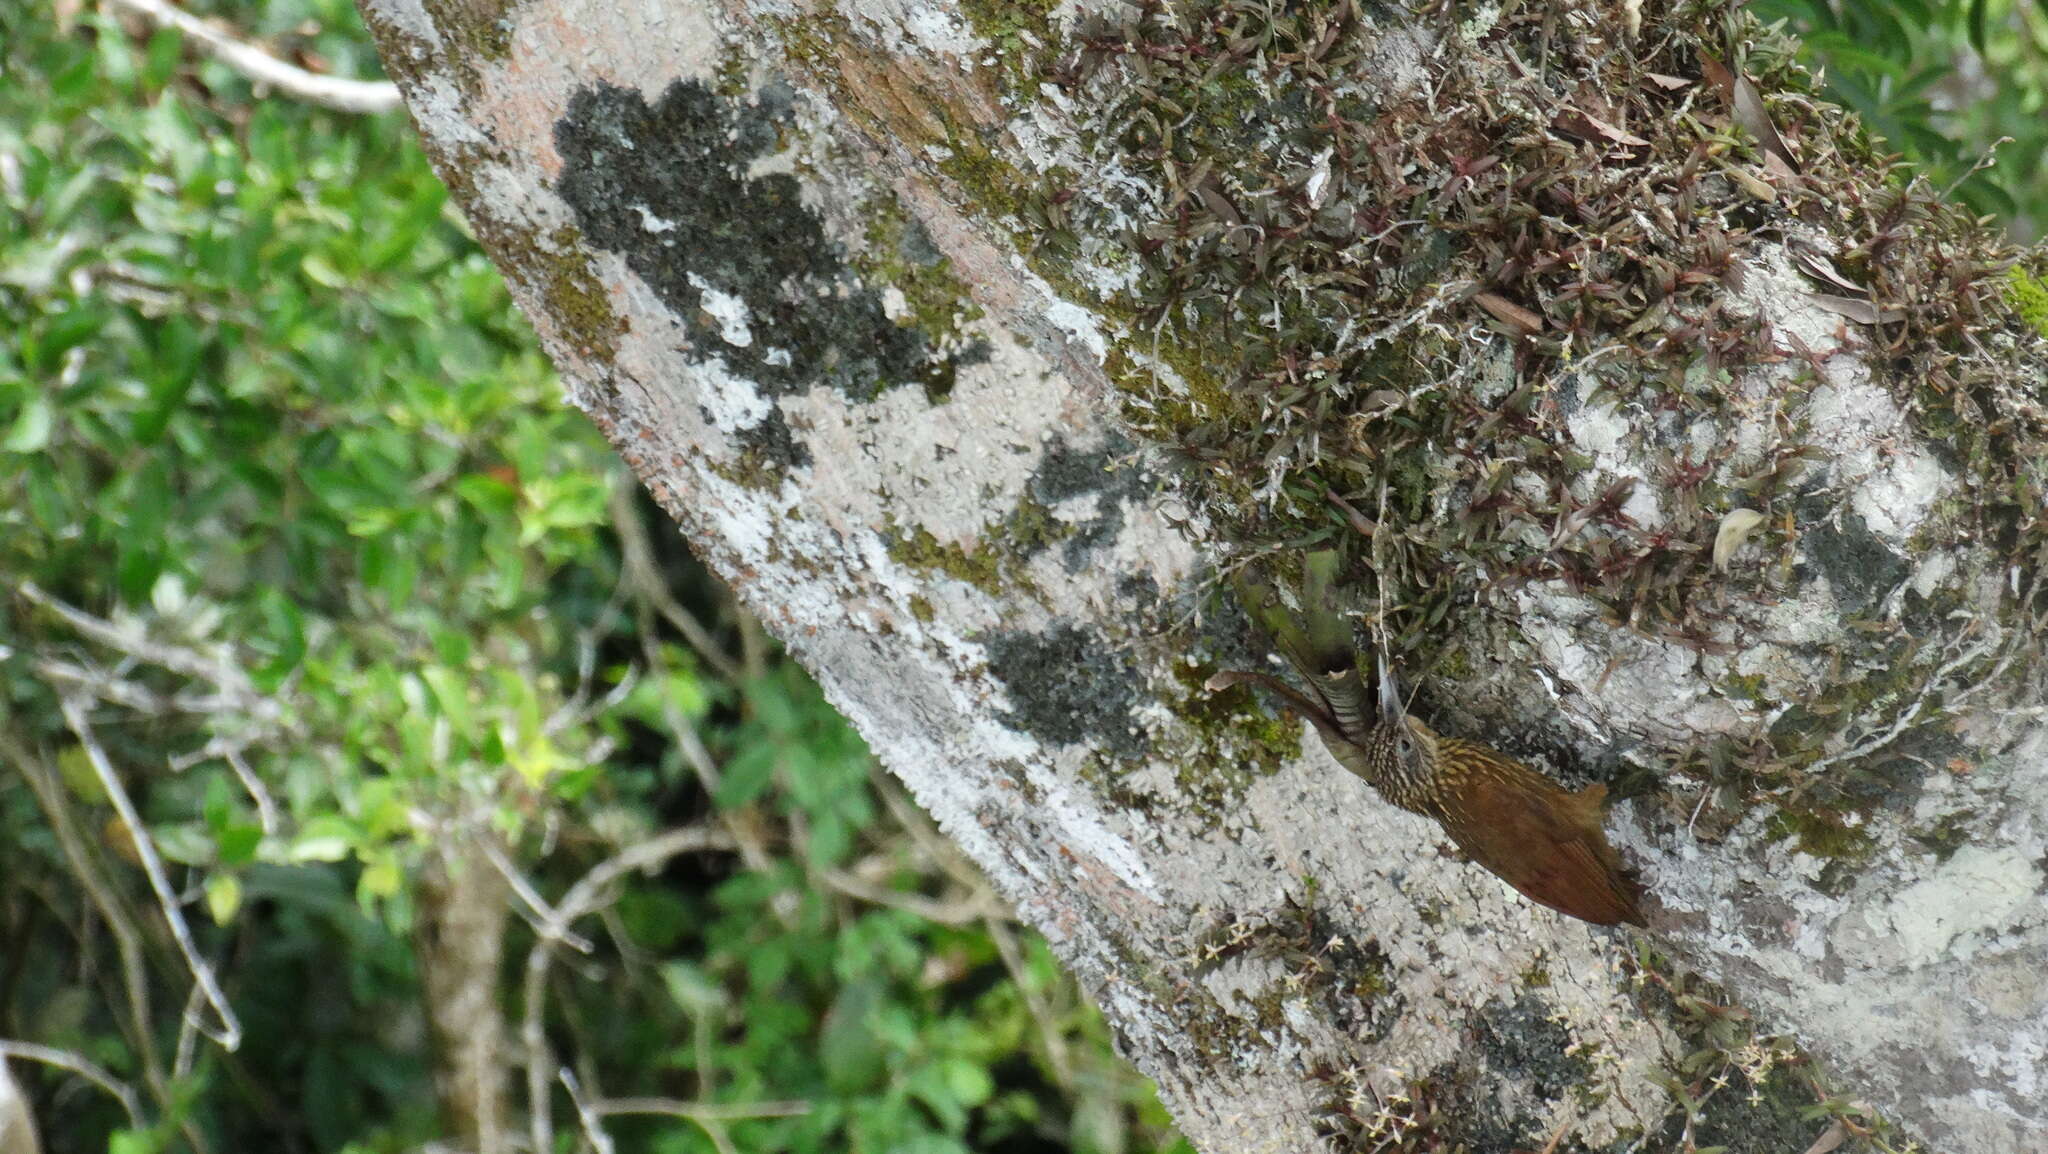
[{"x": 970, "y": 342}]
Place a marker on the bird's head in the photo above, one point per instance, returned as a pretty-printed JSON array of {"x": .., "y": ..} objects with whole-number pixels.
[{"x": 1402, "y": 747}]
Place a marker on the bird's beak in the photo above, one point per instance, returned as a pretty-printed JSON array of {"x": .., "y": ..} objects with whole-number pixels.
[{"x": 1391, "y": 712}]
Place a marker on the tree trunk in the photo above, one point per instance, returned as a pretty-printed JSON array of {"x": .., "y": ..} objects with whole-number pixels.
[
  {"x": 461, "y": 946},
  {"x": 17, "y": 1124},
  {"x": 971, "y": 341}
]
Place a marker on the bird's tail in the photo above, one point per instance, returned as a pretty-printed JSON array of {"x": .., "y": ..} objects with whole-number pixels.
[{"x": 1317, "y": 640}]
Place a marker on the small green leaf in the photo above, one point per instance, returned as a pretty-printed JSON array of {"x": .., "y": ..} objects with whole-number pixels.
[
  {"x": 223, "y": 897},
  {"x": 31, "y": 429},
  {"x": 324, "y": 838}
]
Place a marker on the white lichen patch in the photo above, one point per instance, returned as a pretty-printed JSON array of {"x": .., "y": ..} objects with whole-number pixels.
[
  {"x": 1603, "y": 433},
  {"x": 1646, "y": 687},
  {"x": 1897, "y": 497},
  {"x": 412, "y": 18},
  {"x": 728, "y": 311},
  {"x": 1892, "y": 482},
  {"x": 1079, "y": 325},
  {"x": 436, "y": 101},
  {"x": 731, "y": 402},
  {"x": 961, "y": 465},
  {"x": 918, "y": 26},
  {"x": 1959, "y": 905}
]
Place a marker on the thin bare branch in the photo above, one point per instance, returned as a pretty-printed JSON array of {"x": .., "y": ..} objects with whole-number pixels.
[
  {"x": 551, "y": 930},
  {"x": 1049, "y": 1032},
  {"x": 648, "y": 585},
  {"x": 979, "y": 907},
  {"x": 335, "y": 92},
  {"x": 85, "y": 1068},
  {"x": 593, "y": 1126},
  {"x": 113, "y": 909},
  {"x": 716, "y": 1111},
  {"x": 229, "y": 1035}
]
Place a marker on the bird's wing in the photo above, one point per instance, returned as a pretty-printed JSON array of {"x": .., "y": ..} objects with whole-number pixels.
[{"x": 1539, "y": 838}]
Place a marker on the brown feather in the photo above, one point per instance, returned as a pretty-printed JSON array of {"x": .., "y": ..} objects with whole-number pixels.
[{"x": 1534, "y": 835}]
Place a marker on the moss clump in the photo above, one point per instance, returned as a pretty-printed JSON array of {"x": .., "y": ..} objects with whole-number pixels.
[
  {"x": 996, "y": 186},
  {"x": 996, "y": 563},
  {"x": 1734, "y": 1086},
  {"x": 1821, "y": 835},
  {"x": 2029, "y": 297},
  {"x": 473, "y": 33},
  {"x": 899, "y": 254},
  {"x": 1349, "y": 977},
  {"x": 918, "y": 549},
  {"x": 1305, "y": 329},
  {"x": 1237, "y": 740}
]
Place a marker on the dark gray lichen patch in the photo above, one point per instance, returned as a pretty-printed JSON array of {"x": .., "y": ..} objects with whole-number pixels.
[
  {"x": 1068, "y": 687},
  {"x": 1860, "y": 569},
  {"x": 666, "y": 186},
  {"x": 768, "y": 451},
  {"x": 1519, "y": 1038},
  {"x": 901, "y": 254},
  {"x": 1067, "y": 472}
]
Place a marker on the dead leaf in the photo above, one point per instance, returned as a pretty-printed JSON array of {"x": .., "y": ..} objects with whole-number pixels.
[
  {"x": 1835, "y": 1136},
  {"x": 1758, "y": 188},
  {"x": 1736, "y": 528},
  {"x": 1748, "y": 105},
  {"x": 1755, "y": 119},
  {"x": 1667, "y": 83},
  {"x": 1819, "y": 267},
  {"x": 1586, "y": 126},
  {"x": 1509, "y": 313},
  {"x": 1861, "y": 311}
]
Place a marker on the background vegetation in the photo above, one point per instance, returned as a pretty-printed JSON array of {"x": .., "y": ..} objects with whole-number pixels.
[
  {"x": 306, "y": 567},
  {"x": 307, "y": 573}
]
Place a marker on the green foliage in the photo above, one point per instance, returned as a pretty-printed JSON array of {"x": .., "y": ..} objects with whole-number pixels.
[
  {"x": 1943, "y": 82},
  {"x": 293, "y": 519}
]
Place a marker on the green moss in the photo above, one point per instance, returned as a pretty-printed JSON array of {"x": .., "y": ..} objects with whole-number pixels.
[
  {"x": 1821, "y": 835},
  {"x": 575, "y": 298},
  {"x": 996, "y": 186},
  {"x": 1945, "y": 837},
  {"x": 554, "y": 266},
  {"x": 472, "y": 32},
  {"x": 921, "y": 608},
  {"x": 996, "y": 563},
  {"x": 1743, "y": 686},
  {"x": 898, "y": 253},
  {"x": 1020, "y": 31},
  {"x": 2029, "y": 298},
  {"x": 916, "y": 548},
  {"x": 1237, "y": 740},
  {"x": 754, "y": 469}
]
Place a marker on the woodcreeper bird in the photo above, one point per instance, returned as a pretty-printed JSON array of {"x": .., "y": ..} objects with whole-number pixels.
[{"x": 1533, "y": 834}]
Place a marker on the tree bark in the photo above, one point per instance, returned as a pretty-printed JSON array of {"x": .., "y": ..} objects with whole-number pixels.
[
  {"x": 17, "y": 1124},
  {"x": 461, "y": 945},
  {"x": 948, "y": 345}
]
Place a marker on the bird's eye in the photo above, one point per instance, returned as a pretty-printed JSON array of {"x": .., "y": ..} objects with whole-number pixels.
[{"x": 1406, "y": 746}]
